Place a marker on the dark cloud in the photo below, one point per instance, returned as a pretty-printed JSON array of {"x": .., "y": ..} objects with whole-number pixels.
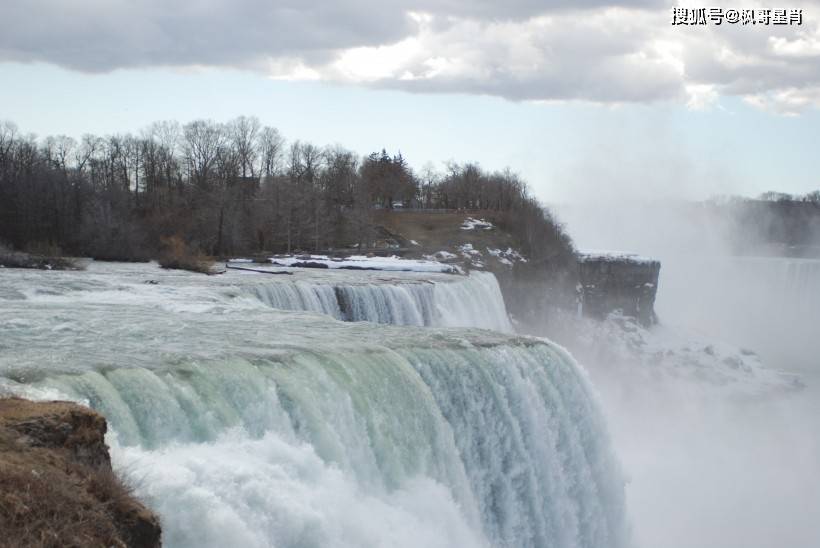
[
  {"x": 592, "y": 50},
  {"x": 100, "y": 35},
  {"x": 495, "y": 10}
]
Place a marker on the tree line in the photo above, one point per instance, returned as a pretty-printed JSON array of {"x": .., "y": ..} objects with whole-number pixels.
[
  {"x": 812, "y": 197},
  {"x": 232, "y": 188},
  {"x": 772, "y": 219}
]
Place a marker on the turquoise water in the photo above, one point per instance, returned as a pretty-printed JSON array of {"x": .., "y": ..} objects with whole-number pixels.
[{"x": 246, "y": 425}]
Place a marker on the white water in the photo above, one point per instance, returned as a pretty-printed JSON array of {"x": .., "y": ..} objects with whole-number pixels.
[
  {"x": 407, "y": 298},
  {"x": 473, "y": 301},
  {"x": 248, "y": 426}
]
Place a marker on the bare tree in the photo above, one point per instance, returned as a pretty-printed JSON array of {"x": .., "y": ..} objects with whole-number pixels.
[
  {"x": 244, "y": 132},
  {"x": 235, "y": 188},
  {"x": 202, "y": 142}
]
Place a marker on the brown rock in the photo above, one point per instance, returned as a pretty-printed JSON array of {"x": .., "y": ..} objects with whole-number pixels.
[{"x": 57, "y": 487}]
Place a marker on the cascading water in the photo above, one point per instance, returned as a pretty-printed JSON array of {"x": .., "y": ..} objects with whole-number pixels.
[
  {"x": 408, "y": 298},
  {"x": 245, "y": 425},
  {"x": 797, "y": 281},
  {"x": 473, "y": 301}
]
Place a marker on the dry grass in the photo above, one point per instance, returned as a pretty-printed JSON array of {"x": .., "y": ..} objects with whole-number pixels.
[
  {"x": 46, "y": 501},
  {"x": 54, "y": 494},
  {"x": 177, "y": 254},
  {"x": 442, "y": 231},
  {"x": 42, "y": 505}
]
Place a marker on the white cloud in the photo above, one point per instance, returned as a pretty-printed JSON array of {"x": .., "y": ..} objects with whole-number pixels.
[
  {"x": 603, "y": 56},
  {"x": 787, "y": 101},
  {"x": 701, "y": 96},
  {"x": 369, "y": 64},
  {"x": 803, "y": 46}
]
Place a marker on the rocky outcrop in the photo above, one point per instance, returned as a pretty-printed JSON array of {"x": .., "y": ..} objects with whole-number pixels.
[
  {"x": 57, "y": 487},
  {"x": 10, "y": 258},
  {"x": 618, "y": 282}
]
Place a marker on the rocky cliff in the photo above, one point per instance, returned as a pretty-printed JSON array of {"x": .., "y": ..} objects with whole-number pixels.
[
  {"x": 57, "y": 487},
  {"x": 538, "y": 292},
  {"x": 616, "y": 281}
]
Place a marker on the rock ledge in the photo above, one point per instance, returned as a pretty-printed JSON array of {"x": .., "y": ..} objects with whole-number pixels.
[{"x": 57, "y": 487}]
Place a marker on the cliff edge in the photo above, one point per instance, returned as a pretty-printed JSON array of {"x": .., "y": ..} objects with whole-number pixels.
[
  {"x": 57, "y": 487},
  {"x": 618, "y": 281}
]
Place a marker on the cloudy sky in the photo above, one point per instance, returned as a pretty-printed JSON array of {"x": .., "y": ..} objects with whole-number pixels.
[{"x": 585, "y": 97}]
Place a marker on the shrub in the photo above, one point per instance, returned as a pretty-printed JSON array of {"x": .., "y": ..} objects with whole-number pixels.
[{"x": 177, "y": 254}]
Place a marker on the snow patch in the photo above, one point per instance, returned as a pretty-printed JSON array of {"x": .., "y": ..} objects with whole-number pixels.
[
  {"x": 507, "y": 257},
  {"x": 468, "y": 251},
  {"x": 362, "y": 262},
  {"x": 613, "y": 256},
  {"x": 472, "y": 255},
  {"x": 476, "y": 224}
]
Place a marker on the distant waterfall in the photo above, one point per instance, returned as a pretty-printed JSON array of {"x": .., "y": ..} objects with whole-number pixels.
[
  {"x": 766, "y": 304},
  {"x": 473, "y": 301},
  {"x": 470, "y": 446},
  {"x": 800, "y": 282}
]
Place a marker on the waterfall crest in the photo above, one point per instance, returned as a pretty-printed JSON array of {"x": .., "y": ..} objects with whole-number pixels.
[
  {"x": 506, "y": 438},
  {"x": 473, "y": 301}
]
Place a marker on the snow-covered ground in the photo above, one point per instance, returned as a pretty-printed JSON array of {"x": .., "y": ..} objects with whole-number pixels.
[
  {"x": 476, "y": 258},
  {"x": 507, "y": 257},
  {"x": 476, "y": 224},
  {"x": 362, "y": 262},
  {"x": 604, "y": 255},
  {"x": 472, "y": 255}
]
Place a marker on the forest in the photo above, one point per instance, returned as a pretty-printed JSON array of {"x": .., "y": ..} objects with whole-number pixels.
[{"x": 233, "y": 188}]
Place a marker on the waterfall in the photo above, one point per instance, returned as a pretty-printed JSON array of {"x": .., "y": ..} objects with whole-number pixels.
[
  {"x": 480, "y": 446},
  {"x": 245, "y": 425},
  {"x": 800, "y": 284},
  {"x": 473, "y": 301}
]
